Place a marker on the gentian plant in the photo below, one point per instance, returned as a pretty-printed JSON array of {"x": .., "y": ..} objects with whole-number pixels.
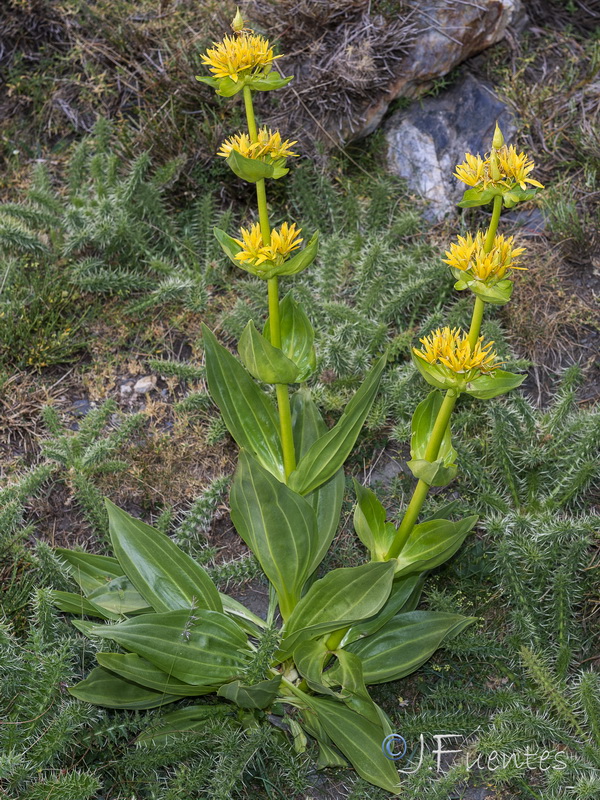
[{"x": 325, "y": 637}]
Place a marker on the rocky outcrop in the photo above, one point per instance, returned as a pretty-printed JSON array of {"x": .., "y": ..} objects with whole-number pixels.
[
  {"x": 427, "y": 140},
  {"x": 450, "y": 31}
]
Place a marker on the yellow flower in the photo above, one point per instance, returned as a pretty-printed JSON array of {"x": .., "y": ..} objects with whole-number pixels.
[
  {"x": 513, "y": 168},
  {"x": 473, "y": 171},
  {"x": 451, "y": 349},
  {"x": 516, "y": 167},
  {"x": 269, "y": 144},
  {"x": 236, "y": 54},
  {"x": 469, "y": 255},
  {"x": 283, "y": 242}
]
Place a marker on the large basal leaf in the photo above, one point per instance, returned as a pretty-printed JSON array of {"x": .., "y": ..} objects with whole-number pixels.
[
  {"x": 73, "y": 603},
  {"x": 278, "y": 525},
  {"x": 104, "y": 688},
  {"x": 405, "y": 592},
  {"x": 308, "y": 426},
  {"x": 297, "y": 337},
  {"x": 259, "y": 695},
  {"x": 325, "y": 457},
  {"x": 405, "y": 643},
  {"x": 343, "y": 597},
  {"x": 120, "y": 596},
  {"x": 191, "y": 719},
  {"x": 90, "y": 570},
  {"x": 138, "y": 670},
  {"x": 245, "y": 618},
  {"x": 432, "y": 543},
  {"x": 264, "y": 361},
  {"x": 203, "y": 648},
  {"x": 165, "y": 576},
  {"x": 249, "y": 414},
  {"x": 359, "y": 740}
]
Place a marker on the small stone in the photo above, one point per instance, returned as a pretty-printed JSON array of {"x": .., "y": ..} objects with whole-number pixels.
[
  {"x": 145, "y": 384},
  {"x": 125, "y": 389}
]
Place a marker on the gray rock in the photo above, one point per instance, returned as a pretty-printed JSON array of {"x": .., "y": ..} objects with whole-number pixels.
[
  {"x": 145, "y": 384},
  {"x": 427, "y": 141},
  {"x": 126, "y": 389},
  {"x": 449, "y": 33}
]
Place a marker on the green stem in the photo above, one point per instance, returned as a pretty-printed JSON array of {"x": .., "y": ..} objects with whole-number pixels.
[
  {"x": 476, "y": 320},
  {"x": 491, "y": 231},
  {"x": 422, "y": 488},
  {"x": 281, "y": 389}
]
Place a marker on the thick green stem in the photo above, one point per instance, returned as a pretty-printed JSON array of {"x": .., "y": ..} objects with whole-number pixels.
[
  {"x": 491, "y": 231},
  {"x": 421, "y": 489},
  {"x": 281, "y": 389},
  {"x": 476, "y": 320}
]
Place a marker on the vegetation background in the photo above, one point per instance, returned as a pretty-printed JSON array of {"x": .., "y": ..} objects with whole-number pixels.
[{"x": 110, "y": 189}]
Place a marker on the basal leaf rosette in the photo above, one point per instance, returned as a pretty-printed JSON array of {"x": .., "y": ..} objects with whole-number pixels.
[
  {"x": 268, "y": 260},
  {"x": 484, "y": 273},
  {"x": 264, "y": 158},
  {"x": 503, "y": 172},
  {"x": 448, "y": 361},
  {"x": 245, "y": 59}
]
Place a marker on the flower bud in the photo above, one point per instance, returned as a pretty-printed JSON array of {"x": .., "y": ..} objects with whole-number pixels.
[
  {"x": 498, "y": 139},
  {"x": 237, "y": 23}
]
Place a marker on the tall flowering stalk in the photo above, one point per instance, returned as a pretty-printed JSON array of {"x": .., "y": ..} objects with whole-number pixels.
[{"x": 354, "y": 626}]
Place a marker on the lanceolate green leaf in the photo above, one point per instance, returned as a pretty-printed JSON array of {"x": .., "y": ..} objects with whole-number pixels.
[
  {"x": 203, "y": 648},
  {"x": 77, "y": 604},
  {"x": 249, "y": 414},
  {"x": 330, "y": 451},
  {"x": 191, "y": 719},
  {"x": 120, "y": 596},
  {"x": 432, "y": 543},
  {"x": 259, "y": 695},
  {"x": 405, "y": 592},
  {"x": 138, "y": 670},
  {"x": 405, "y": 643},
  {"x": 104, "y": 688},
  {"x": 90, "y": 570},
  {"x": 278, "y": 525},
  {"x": 359, "y": 740},
  {"x": 264, "y": 361},
  {"x": 343, "y": 597},
  {"x": 308, "y": 425},
  {"x": 441, "y": 471},
  {"x": 162, "y": 573}
]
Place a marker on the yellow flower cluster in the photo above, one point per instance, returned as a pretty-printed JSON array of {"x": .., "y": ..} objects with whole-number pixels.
[
  {"x": 236, "y": 54},
  {"x": 269, "y": 144},
  {"x": 255, "y": 252},
  {"x": 450, "y": 347},
  {"x": 468, "y": 255},
  {"x": 513, "y": 168}
]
